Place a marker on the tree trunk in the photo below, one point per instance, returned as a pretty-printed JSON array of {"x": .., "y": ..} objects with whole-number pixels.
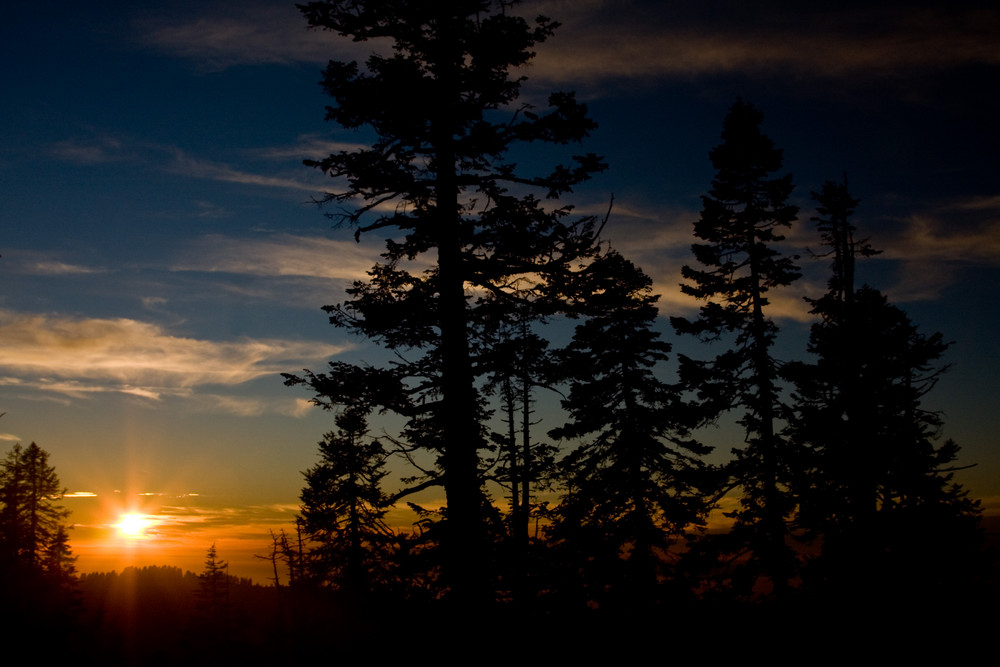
[{"x": 463, "y": 544}]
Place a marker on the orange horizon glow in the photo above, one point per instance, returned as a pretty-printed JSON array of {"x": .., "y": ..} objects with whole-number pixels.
[{"x": 116, "y": 529}]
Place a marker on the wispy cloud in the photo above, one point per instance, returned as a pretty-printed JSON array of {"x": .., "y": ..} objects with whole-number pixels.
[
  {"x": 36, "y": 263},
  {"x": 932, "y": 251},
  {"x": 187, "y": 522},
  {"x": 604, "y": 41},
  {"x": 244, "y": 406},
  {"x": 97, "y": 149},
  {"x": 259, "y": 34},
  {"x": 282, "y": 255},
  {"x": 92, "y": 150},
  {"x": 79, "y": 389},
  {"x": 193, "y": 167},
  {"x": 929, "y": 249},
  {"x": 633, "y": 39},
  {"x": 308, "y": 146},
  {"x": 932, "y": 238},
  {"x": 153, "y": 302},
  {"x": 63, "y": 268},
  {"x": 76, "y": 357},
  {"x": 658, "y": 239},
  {"x": 991, "y": 203}
]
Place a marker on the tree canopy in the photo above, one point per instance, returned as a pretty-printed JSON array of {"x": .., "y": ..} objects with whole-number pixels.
[
  {"x": 482, "y": 252},
  {"x": 874, "y": 482},
  {"x": 464, "y": 219},
  {"x": 740, "y": 226},
  {"x": 31, "y": 519}
]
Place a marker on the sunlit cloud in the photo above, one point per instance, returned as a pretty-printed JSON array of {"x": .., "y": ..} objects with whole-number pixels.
[
  {"x": 308, "y": 146},
  {"x": 932, "y": 251},
  {"x": 78, "y": 389},
  {"x": 283, "y": 255},
  {"x": 611, "y": 41},
  {"x": 93, "y": 150},
  {"x": 153, "y": 302},
  {"x": 207, "y": 169},
  {"x": 244, "y": 406},
  {"x": 300, "y": 408},
  {"x": 929, "y": 238},
  {"x": 209, "y": 211},
  {"x": 981, "y": 203},
  {"x": 259, "y": 34},
  {"x": 658, "y": 239},
  {"x": 62, "y": 268},
  {"x": 87, "y": 151},
  {"x": 9, "y": 437},
  {"x": 76, "y": 357},
  {"x": 604, "y": 41},
  {"x": 187, "y": 521},
  {"x": 43, "y": 264}
]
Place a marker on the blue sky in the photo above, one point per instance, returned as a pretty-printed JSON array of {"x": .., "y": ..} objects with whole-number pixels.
[{"x": 162, "y": 263}]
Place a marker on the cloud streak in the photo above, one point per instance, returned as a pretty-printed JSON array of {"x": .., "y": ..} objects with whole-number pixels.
[
  {"x": 658, "y": 238},
  {"x": 605, "y": 41},
  {"x": 80, "y": 356},
  {"x": 260, "y": 34},
  {"x": 602, "y": 40},
  {"x": 185, "y": 165},
  {"x": 92, "y": 151},
  {"x": 283, "y": 255},
  {"x": 932, "y": 253},
  {"x": 250, "y": 407},
  {"x": 40, "y": 263}
]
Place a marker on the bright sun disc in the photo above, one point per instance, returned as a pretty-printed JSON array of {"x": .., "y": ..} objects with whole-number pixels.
[{"x": 133, "y": 525}]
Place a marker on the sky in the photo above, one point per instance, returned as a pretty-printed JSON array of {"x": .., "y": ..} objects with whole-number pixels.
[{"x": 162, "y": 260}]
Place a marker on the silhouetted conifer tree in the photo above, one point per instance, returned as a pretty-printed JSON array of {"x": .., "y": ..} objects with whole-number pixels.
[
  {"x": 740, "y": 224},
  {"x": 878, "y": 491},
  {"x": 38, "y": 597},
  {"x": 58, "y": 561},
  {"x": 442, "y": 106},
  {"x": 631, "y": 483},
  {"x": 31, "y": 517},
  {"x": 213, "y": 595},
  {"x": 519, "y": 363},
  {"x": 344, "y": 507}
]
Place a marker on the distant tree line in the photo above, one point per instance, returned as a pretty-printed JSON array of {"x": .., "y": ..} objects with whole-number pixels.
[{"x": 843, "y": 487}]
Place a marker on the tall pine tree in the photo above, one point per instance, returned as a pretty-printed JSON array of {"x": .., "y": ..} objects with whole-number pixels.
[
  {"x": 441, "y": 102},
  {"x": 632, "y": 481},
  {"x": 877, "y": 492},
  {"x": 741, "y": 222},
  {"x": 31, "y": 517},
  {"x": 344, "y": 507}
]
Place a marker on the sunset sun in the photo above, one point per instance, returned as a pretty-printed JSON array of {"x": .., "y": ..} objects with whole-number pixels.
[{"x": 134, "y": 525}]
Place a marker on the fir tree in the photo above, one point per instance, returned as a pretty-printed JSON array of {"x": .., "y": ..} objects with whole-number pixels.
[
  {"x": 631, "y": 483},
  {"x": 443, "y": 110},
  {"x": 213, "y": 585},
  {"x": 519, "y": 362},
  {"x": 878, "y": 491},
  {"x": 31, "y": 517},
  {"x": 740, "y": 224},
  {"x": 59, "y": 562},
  {"x": 344, "y": 507}
]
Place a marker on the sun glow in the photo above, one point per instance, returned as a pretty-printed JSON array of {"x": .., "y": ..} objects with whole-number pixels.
[{"x": 134, "y": 526}]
